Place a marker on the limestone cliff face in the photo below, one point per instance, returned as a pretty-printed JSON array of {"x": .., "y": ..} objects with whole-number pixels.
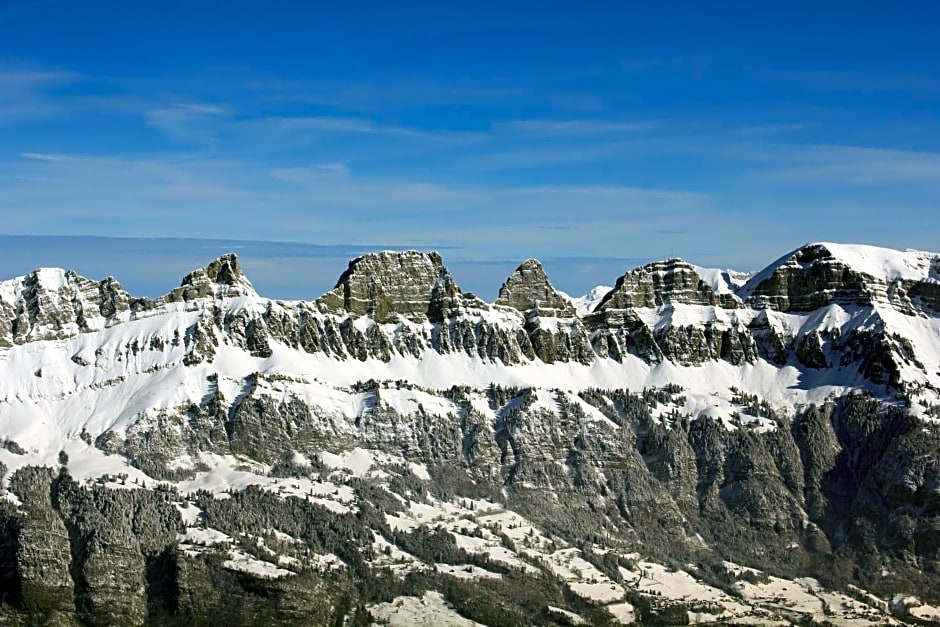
[
  {"x": 620, "y": 326},
  {"x": 661, "y": 283},
  {"x": 810, "y": 279},
  {"x": 99, "y": 556},
  {"x": 413, "y": 285},
  {"x": 528, "y": 288},
  {"x": 223, "y": 278},
  {"x": 815, "y": 276},
  {"x": 52, "y": 304},
  {"x": 842, "y": 486},
  {"x": 43, "y": 581},
  {"x": 551, "y": 322},
  {"x": 7, "y": 318}
]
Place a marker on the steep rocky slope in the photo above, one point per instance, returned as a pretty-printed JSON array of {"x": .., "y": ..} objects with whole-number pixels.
[{"x": 690, "y": 448}]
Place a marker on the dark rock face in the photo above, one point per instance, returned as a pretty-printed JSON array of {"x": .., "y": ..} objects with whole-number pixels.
[
  {"x": 221, "y": 278},
  {"x": 619, "y": 330},
  {"x": 813, "y": 277},
  {"x": 384, "y": 286},
  {"x": 660, "y": 283},
  {"x": 551, "y": 322},
  {"x": 43, "y": 555},
  {"x": 872, "y": 478},
  {"x": 925, "y": 295},
  {"x": 528, "y": 288},
  {"x": 209, "y": 595},
  {"x": 112, "y": 298},
  {"x": 810, "y": 279},
  {"x": 809, "y": 351},
  {"x": 7, "y": 318},
  {"x": 102, "y": 556}
]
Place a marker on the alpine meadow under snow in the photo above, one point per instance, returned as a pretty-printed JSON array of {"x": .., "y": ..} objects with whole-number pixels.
[{"x": 688, "y": 446}]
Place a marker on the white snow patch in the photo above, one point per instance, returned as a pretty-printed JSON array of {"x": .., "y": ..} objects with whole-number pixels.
[
  {"x": 573, "y": 618},
  {"x": 723, "y": 281},
  {"x": 582, "y": 577},
  {"x": 419, "y": 470},
  {"x": 358, "y": 461},
  {"x": 205, "y": 536},
  {"x": 243, "y": 562},
  {"x": 585, "y": 304},
  {"x": 466, "y": 571},
  {"x": 430, "y": 610},
  {"x": 623, "y": 613}
]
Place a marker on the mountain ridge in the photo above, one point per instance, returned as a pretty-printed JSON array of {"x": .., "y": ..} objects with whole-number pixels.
[{"x": 673, "y": 423}]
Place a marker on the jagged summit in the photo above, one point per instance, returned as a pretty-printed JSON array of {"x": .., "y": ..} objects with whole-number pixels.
[
  {"x": 221, "y": 278},
  {"x": 820, "y": 273},
  {"x": 52, "y": 303},
  {"x": 386, "y": 285},
  {"x": 528, "y": 288},
  {"x": 41, "y": 280},
  {"x": 226, "y": 270},
  {"x": 662, "y": 282}
]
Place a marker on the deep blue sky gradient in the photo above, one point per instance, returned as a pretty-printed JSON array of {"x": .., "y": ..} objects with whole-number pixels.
[{"x": 594, "y": 136}]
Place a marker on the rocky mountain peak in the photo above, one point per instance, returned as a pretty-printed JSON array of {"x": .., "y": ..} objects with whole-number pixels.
[
  {"x": 821, "y": 273},
  {"x": 226, "y": 270},
  {"x": 529, "y": 288},
  {"x": 53, "y": 303},
  {"x": 662, "y": 282},
  {"x": 221, "y": 278},
  {"x": 386, "y": 285}
]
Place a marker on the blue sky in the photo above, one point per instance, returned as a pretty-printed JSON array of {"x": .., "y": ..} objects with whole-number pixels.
[{"x": 592, "y": 138}]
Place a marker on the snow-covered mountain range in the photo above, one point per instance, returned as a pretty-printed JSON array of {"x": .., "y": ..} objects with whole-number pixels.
[{"x": 685, "y": 417}]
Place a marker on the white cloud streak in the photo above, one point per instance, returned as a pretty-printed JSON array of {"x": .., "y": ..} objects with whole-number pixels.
[
  {"x": 573, "y": 128},
  {"x": 864, "y": 167}
]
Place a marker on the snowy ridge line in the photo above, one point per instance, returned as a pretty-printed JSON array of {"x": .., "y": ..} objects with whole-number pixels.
[
  {"x": 881, "y": 263},
  {"x": 57, "y": 354}
]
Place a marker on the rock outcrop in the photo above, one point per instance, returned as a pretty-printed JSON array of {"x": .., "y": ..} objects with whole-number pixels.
[
  {"x": 551, "y": 322},
  {"x": 662, "y": 283},
  {"x": 815, "y": 276},
  {"x": 528, "y": 289},
  {"x": 415, "y": 286},
  {"x": 223, "y": 278}
]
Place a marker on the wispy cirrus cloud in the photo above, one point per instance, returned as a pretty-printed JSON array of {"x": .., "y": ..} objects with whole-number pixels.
[
  {"x": 219, "y": 126},
  {"x": 862, "y": 166},
  {"x": 27, "y": 93},
  {"x": 67, "y": 191},
  {"x": 843, "y": 166},
  {"x": 23, "y": 80},
  {"x": 45, "y": 156},
  {"x": 572, "y": 128},
  {"x": 540, "y": 156},
  {"x": 408, "y": 92},
  {"x": 186, "y": 123},
  {"x": 853, "y": 81}
]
